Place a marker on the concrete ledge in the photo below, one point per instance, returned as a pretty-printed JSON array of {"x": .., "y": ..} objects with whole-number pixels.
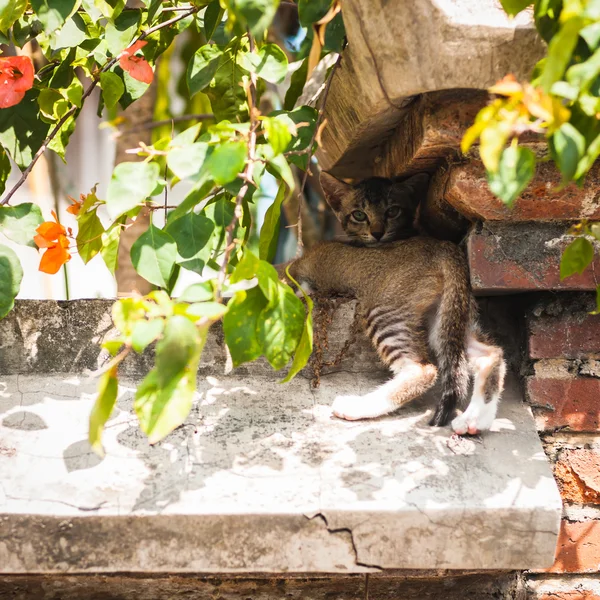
[{"x": 260, "y": 478}]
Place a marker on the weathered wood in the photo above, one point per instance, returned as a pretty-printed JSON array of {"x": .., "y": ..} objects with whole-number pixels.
[{"x": 399, "y": 50}]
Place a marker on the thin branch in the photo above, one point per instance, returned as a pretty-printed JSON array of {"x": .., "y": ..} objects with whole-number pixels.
[
  {"x": 246, "y": 176},
  {"x": 86, "y": 94},
  {"x": 323, "y": 100}
]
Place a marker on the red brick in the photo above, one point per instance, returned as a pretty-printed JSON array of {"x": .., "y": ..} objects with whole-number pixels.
[
  {"x": 578, "y": 548},
  {"x": 523, "y": 257},
  {"x": 467, "y": 191},
  {"x": 565, "y": 336},
  {"x": 578, "y": 475},
  {"x": 572, "y": 403}
]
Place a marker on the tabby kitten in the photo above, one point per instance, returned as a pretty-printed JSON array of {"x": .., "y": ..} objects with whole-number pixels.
[
  {"x": 418, "y": 310},
  {"x": 377, "y": 209}
]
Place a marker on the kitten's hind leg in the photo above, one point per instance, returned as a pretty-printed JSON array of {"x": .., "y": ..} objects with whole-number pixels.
[
  {"x": 487, "y": 364},
  {"x": 411, "y": 379}
]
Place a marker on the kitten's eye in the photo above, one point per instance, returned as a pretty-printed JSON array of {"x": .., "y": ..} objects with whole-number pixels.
[
  {"x": 394, "y": 211},
  {"x": 359, "y": 215}
]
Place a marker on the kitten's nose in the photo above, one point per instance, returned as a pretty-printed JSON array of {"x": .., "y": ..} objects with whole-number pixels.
[{"x": 377, "y": 234}]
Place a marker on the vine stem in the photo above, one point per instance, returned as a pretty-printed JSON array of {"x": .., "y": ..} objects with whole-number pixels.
[
  {"x": 85, "y": 95},
  {"x": 246, "y": 175},
  {"x": 323, "y": 100}
]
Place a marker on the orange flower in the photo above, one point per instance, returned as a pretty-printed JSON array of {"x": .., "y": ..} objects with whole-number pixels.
[
  {"x": 16, "y": 77},
  {"x": 136, "y": 66},
  {"x": 75, "y": 206},
  {"x": 53, "y": 237}
]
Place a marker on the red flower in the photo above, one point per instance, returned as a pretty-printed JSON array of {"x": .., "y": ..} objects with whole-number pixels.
[
  {"x": 137, "y": 66},
  {"x": 52, "y": 236},
  {"x": 16, "y": 77}
]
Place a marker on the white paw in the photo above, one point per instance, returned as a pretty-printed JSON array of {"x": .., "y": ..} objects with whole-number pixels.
[
  {"x": 475, "y": 419},
  {"x": 350, "y": 408}
]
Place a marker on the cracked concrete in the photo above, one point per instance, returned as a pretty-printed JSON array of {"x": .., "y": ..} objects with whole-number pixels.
[{"x": 260, "y": 478}]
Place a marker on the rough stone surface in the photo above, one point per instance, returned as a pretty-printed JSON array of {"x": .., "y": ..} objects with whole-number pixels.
[
  {"x": 499, "y": 586},
  {"x": 401, "y": 49},
  {"x": 564, "y": 328},
  {"x": 260, "y": 478},
  {"x": 578, "y": 475},
  {"x": 563, "y": 588},
  {"x": 570, "y": 402},
  {"x": 468, "y": 192},
  {"x": 523, "y": 257},
  {"x": 578, "y": 548}
]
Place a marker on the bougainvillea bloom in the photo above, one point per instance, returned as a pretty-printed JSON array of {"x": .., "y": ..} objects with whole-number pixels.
[
  {"x": 53, "y": 237},
  {"x": 136, "y": 66},
  {"x": 75, "y": 206},
  {"x": 16, "y": 77}
]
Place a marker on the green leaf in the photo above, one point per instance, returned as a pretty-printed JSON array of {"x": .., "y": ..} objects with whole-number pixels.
[
  {"x": 591, "y": 34},
  {"x": 253, "y": 14},
  {"x": 178, "y": 345},
  {"x": 305, "y": 346},
  {"x": 153, "y": 256},
  {"x": 145, "y": 332},
  {"x": 160, "y": 409},
  {"x": 227, "y": 161},
  {"x": 134, "y": 89},
  {"x": 18, "y": 223},
  {"x": 191, "y": 233},
  {"x": 73, "y": 34},
  {"x": 53, "y": 13},
  {"x": 560, "y": 51},
  {"x": 125, "y": 313},
  {"x": 305, "y": 119},
  {"x": 515, "y": 170},
  {"x": 278, "y": 165},
  {"x": 22, "y": 132},
  {"x": 568, "y": 146},
  {"x": 112, "y": 88},
  {"x": 240, "y": 325},
  {"x": 279, "y": 131},
  {"x": 311, "y": 11},
  {"x": 270, "y": 63},
  {"x": 121, "y": 31},
  {"x": 110, "y": 247},
  {"x": 584, "y": 74},
  {"x": 514, "y": 7},
  {"x": 202, "y": 68},
  {"x": 11, "y": 11},
  {"x": 61, "y": 139},
  {"x": 131, "y": 184},
  {"x": 208, "y": 310},
  {"x": 246, "y": 268},
  {"x": 111, "y": 9},
  {"x": 280, "y": 327},
  {"x": 11, "y": 275},
  {"x": 89, "y": 235},
  {"x": 197, "y": 292},
  {"x": 212, "y": 17},
  {"x": 108, "y": 390},
  {"x": 226, "y": 93},
  {"x": 188, "y": 160},
  {"x": 297, "y": 82},
  {"x": 576, "y": 257},
  {"x": 269, "y": 232},
  {"x": 5, "y": 169}
]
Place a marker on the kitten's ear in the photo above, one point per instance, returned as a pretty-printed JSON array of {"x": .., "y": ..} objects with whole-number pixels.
[
  {"x": 334, "y": 189},
  {"x": 416, "y": 186}
]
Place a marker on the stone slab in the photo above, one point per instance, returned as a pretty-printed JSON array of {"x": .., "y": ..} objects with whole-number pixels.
[
  {"x": 466, "y": 189},
  {"x": 398, "y": 50},
  {"x": 523, "y": 257},
  {"x": 260, "y": 478}
]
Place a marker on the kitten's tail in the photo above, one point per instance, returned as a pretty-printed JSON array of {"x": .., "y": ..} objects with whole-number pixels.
[{"x": 448, "y": 335}]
